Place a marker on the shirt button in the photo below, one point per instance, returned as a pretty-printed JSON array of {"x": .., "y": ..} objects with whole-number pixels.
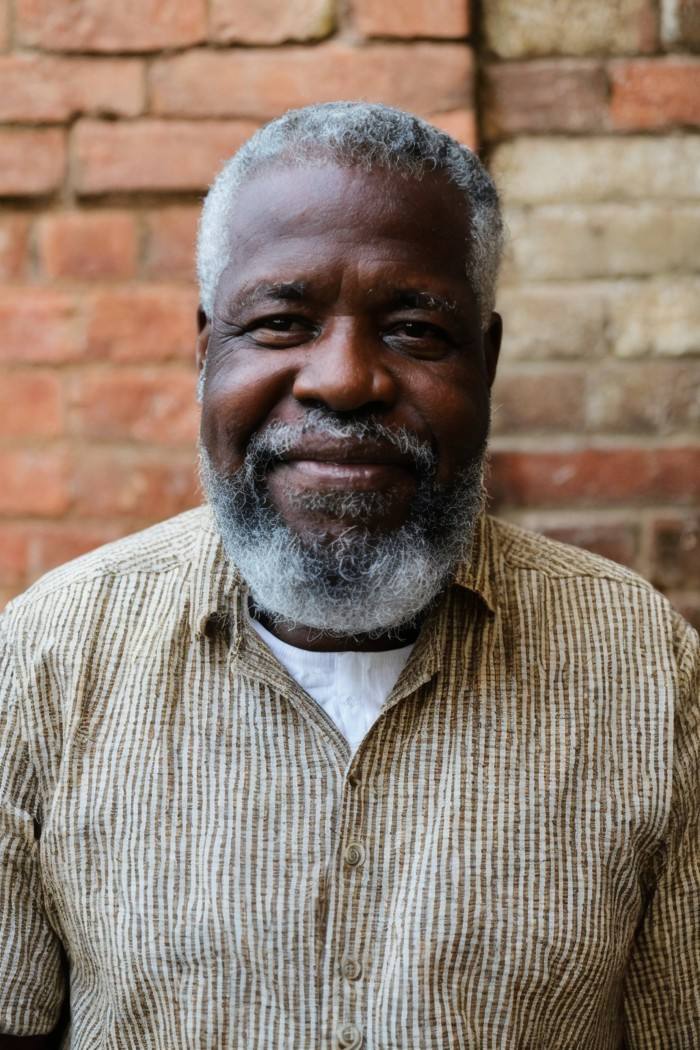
[
  {"x": 354, "y": 855},
  {"x": 351, "y": 969},
  {"x": 348, "y": 1037}
]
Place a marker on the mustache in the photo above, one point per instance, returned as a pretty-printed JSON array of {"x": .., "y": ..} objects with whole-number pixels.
[{"x": 274, "y": 442}]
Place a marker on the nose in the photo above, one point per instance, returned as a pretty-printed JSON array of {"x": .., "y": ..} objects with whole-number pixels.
[{"x": 344, "y": 370}]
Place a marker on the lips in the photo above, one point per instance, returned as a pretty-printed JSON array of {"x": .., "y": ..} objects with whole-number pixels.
[{"x": 345, "y": 464}]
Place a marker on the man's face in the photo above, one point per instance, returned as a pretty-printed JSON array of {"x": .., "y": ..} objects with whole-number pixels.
[{"x": 346, "y": 293}]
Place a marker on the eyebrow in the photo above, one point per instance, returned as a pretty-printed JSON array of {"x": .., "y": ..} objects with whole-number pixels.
[
  {"x": 286, "y": 291},
  {"x": 413, "y": 299}
]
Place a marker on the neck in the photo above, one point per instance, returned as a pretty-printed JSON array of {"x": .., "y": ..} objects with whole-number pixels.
[{"x": 319, "y": 642}]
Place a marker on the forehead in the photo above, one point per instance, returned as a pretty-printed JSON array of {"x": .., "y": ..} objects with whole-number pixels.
[{"x": 288, "y": 219}]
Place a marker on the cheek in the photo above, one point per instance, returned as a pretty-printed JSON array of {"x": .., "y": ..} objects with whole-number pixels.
[
  {"x": 239, "y": 398},
  {"x": 458, "y": 416}
]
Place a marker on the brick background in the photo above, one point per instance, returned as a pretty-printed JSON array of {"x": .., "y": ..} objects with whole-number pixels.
[{"x": 114, "y": 118}]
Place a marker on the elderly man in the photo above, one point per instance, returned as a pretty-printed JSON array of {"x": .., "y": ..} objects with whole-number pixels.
[{"x": 342, "y": 762}]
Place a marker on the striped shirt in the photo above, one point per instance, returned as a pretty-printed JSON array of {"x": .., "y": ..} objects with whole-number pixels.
[{"x": 510, "y": 860}]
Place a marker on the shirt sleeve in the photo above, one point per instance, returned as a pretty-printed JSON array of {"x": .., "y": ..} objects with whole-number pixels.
[
  {"x": 662, "y": 1000},
  {"x": 32, "y": 985}
]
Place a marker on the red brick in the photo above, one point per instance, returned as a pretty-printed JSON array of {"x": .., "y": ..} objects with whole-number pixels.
[
  {"x": 611, "y": 476},
  {"x": 40, "y": 325},
  {"x": 14, "y": 239},
  {"x": 425, "y": 78},
  {"x": 660, "y": 397},
  {"x": 170, "y": 243},
  {"x": 544, "y": 96},
  {"x": 460, "y": 124},
  {"x": 88, "y": 245},
  {"x": 41, "y": 88},
  {"x": 270, "y": 21},
  {"x": 32, "y": 161},
  {"x": 617, "y": 542},
  {"x": 14, "y": 544},
  {"x": 153, "y": 154},
  {"x": 137, "y": 405},
  {"x": 34, "y": 482},
  {"x": 676, "y": 552},
  {"x": 648, "y": 94},
  {"x": 116, "y": 483},
  {"x": 142, "y": 323},
  {"x": 53, "y": 543},
  {"x": 539, "y": 401},
  {"x": 30, "y": 405},
  {"x": 105, "y": 26},
  {"x": 414, "y": 18}
]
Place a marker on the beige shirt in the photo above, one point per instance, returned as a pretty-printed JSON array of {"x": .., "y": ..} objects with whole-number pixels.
[{"x": 511, "y": 859}]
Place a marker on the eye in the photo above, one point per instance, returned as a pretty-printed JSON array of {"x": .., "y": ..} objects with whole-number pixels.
[
  {"x": 418, "y": 338},
  {"x": 280, "y": 330}
]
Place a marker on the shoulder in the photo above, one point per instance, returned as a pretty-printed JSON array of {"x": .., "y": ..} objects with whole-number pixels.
[
  {"x": 588, "y": 590},
  {"x": 140, "y": 561}
]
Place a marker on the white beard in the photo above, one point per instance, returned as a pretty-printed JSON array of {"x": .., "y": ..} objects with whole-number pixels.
[{"x": 361, "y": 582}]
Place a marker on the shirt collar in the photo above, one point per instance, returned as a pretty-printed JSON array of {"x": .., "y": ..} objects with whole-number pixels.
[{"x": 215, "y": 582}]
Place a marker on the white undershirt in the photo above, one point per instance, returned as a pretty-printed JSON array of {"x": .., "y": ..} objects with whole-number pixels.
[{"x": 350, "y": 687}]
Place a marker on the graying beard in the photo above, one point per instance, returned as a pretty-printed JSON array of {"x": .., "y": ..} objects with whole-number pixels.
[{"x": 360, "y": 582}]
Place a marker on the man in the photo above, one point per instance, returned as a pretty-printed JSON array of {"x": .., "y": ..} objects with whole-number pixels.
[{"x": 344, "y": 762}]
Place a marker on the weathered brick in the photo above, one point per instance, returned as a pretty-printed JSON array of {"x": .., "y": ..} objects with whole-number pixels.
[
  {"x": 680, "y": 24},
  {"x": 170, "y": 243},
  {"x": 52, "y": 543},
  {"x": 547, "y": 95},
  {"x": 137, "y": 405},
  {"x": 661, "y": 316},
  {"x": 153, "y": 154},
  {"x": 146, "y": 323},
  {"x": 459, "y": 123},
  {"x": 34, "y": 482},
  {"x": 538, "y": 400},
  {"x": 4, "y": 24},
  {"x": 135, "y": 483},
  {"x": 566, "y": 241},
  {"x": 649, "y": 94},
  {"x": 32, "y": 161},
  {"x": 541, "y": 170},
  {"x": 595, "y": 476},
  {"x": 13, "y": 554},
  {"x": 14, "y": 239},
  {"x": 415, "y": 18},
  {"x": 526, "y": 28},
  {"x": 657, "y": 397},
  {"x": 551, "y": 321},
  {"x": 103, "y": 26},
  {"x": 270, "y": 21},
  {"x": 676, "y": 551},
  {"x": 616, "y": 539},
  {"x": 88, "y": 245},
  {"x": 40, "y": 326},
  {"x": 42, "y": 88},
  {"x": 262, "y": 83},
  {"x": 31, "y": 405}
]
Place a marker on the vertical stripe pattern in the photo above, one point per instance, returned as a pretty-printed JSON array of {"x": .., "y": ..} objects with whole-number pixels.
[{"x": 511, "y": 858}]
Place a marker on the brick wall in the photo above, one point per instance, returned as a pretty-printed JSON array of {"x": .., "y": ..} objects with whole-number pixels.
[
  {"x": 116, "y": 116},
  {"x": 589, "y": 115}
]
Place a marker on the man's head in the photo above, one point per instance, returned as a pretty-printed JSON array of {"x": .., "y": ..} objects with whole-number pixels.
[{"x": 347, "y": 261}]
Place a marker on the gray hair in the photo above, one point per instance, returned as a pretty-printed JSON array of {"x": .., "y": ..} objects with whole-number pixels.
[{"x": 361, "y": 135}]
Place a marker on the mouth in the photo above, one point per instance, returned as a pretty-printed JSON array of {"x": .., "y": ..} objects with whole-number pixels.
[{"x": 343, "y": 464}]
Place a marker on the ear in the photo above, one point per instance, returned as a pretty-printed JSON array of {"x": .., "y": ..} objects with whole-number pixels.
[
  {"x": 203, "y": 330},
  {"x": 492, "y": 346}
]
